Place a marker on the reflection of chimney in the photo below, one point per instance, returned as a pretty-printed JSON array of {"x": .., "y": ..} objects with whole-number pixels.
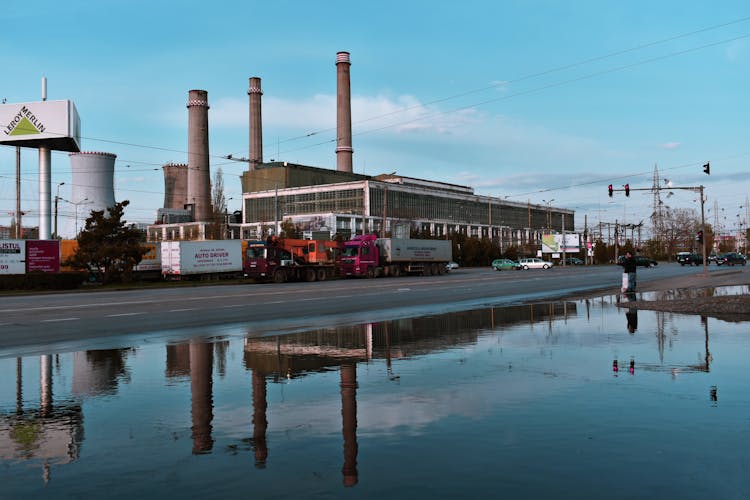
[
  {"x": 256, "y": 127},
  {"x": 199, "y": 176},
  {"x": 344, "y": 149},
  {"x": 201, "y": 391},
  {"x": 175, "y": 185},
  {"x": 260, "y": 423},
  {"x": 349, "y": 422}
]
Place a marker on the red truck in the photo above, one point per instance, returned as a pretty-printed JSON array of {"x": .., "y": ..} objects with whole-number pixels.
[
  {"x": 370, "y": 256},
  {"x": 287, "y": 259}
]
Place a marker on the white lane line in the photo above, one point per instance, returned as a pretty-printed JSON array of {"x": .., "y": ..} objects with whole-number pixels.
[
  {"x": 181, "y": 310},
  {"x": 59, "y": 319},
  {"x": 234, "y": 305},
  {"x": 124, "y": 314},
  {"x": 403, "y": 289}
]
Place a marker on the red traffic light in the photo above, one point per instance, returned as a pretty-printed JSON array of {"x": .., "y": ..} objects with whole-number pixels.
[
  {"x": 627, "y": 189},
  {"x": 610, "y": 190}
]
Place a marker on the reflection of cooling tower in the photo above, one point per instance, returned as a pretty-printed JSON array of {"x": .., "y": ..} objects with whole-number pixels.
[
  {"x": 199, "y": 175},
  {"x": 344, "y": 149},
  {"x": 175, "y": 185},
  {"x": 256, "y": 127},
  {"x": 93, "y": 187}
]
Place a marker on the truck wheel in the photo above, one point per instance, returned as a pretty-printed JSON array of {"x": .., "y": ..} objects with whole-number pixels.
[
  {"x": 309, "y": 275},
  {"x": 321, "y": 275},
  {"x": 370, "y": 272},
  {"x": 395, "y": 271},
  {"x": 279, "y": 276}
]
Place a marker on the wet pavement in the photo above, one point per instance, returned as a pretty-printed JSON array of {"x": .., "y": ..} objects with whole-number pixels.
[{"x": 570, "y": 399}]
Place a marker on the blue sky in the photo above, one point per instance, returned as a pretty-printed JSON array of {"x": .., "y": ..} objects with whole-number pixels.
[{"x": 533, "y": 100}]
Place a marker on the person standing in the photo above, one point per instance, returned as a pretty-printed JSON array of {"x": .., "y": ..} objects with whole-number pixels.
[{"x": 628, "y": 272}]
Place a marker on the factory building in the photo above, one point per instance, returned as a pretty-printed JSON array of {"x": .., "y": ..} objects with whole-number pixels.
[{"x": 326, "y": 203}]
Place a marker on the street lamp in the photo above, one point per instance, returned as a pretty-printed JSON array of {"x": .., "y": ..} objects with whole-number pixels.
[
  {"x": 76, "y": 208},
  {"x": 57, "y": 198}
]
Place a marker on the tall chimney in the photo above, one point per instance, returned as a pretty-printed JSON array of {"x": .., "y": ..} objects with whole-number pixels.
[
  {"x": 256, "y": 126},
  {"x": 175, "y": 185},
  {"x": 199, "y": 175},
  {"x": 344, "y": 149}
]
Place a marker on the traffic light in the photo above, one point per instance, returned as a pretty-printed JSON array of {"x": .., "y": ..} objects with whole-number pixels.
[
  {"x": 707, "y": 168},
  {"x": 699, "y": 236},
  {"x": 610, "y": 190},
  {"x": 627, "y": 189}
]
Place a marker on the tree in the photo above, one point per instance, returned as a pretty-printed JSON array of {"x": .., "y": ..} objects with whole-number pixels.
[
  {"x": 107, "y": 247},
  {"x": 217, "y": 228},
  {"x": 289, "y": 229}
]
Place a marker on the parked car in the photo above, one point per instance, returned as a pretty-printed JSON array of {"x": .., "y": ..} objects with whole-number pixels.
[
  {"x": 504, "y": 264},
  {"x": 573, "y": 261},
  {"x": 689, "y": 259},
  {"x": 640, "y": 260},
  {"x": 534, "y": 263},
  {"x": 731, "y": 259}
]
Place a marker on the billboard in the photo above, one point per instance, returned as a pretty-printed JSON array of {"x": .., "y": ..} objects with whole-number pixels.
[
  {"x": 554, "y": 243},
  {"x": 43, "y": 256},
  {"x": 52, "y": 124},
  {"x": 12, "y": 256}
]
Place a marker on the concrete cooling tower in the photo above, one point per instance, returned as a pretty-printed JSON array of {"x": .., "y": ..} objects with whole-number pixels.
[
  {"x": 175, "y": 185},
  {"x": 92, "y": 189}
]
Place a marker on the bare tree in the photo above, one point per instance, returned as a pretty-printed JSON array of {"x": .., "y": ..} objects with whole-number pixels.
[{"x": 217, "y": 226}]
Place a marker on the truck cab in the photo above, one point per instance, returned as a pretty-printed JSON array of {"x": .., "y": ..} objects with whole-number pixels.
[
  {"x": 361, "y": 256},
  {"x": 266, "y": 262}
]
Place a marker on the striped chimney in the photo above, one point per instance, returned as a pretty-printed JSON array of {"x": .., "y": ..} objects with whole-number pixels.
[
  {"x": 199, "y": 174},
  {"x": 256, "y": 126}
]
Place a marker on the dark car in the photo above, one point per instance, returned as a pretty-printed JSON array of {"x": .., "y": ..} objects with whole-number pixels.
[
  {"x": 731, "y": 259},
  {"x": 640, "y": 260},
  {"x": 573, "y": 261},
  {"x": 690, "y": 259}
]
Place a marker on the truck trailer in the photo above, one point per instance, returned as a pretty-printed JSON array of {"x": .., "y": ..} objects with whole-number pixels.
[
  {"x": 201, "y": 259},
  {"x": 370, "y": 256},
  {"x": 288, "y": 259}
]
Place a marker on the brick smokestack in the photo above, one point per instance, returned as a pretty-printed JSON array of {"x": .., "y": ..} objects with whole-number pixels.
[
  {"x": 344, "y": 149},
  {"x": 199, "y": 175},
  {"x": 256, "y": 126}
]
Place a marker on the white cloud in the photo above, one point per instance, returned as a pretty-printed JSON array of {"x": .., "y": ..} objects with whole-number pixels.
[{"x": 671, "y": 145}]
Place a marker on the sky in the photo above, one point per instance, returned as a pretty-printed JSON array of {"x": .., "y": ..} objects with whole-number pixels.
[{"x": 537, "y": 101}]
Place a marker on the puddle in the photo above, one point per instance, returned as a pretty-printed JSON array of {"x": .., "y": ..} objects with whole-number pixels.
[{"x": 567, "y": 400}]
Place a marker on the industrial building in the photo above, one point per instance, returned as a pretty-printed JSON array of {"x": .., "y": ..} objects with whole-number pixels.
[{"x": 338, "y": 203}]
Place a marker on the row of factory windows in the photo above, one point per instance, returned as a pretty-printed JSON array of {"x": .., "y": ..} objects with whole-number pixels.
[{"x": 397, "y": 204}]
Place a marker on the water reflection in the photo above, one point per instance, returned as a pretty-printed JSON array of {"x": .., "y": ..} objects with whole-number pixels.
[{"x": 468, "y": 375}]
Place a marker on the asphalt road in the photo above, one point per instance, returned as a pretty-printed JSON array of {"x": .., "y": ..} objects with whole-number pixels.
[{"x": 63, "y": 320}]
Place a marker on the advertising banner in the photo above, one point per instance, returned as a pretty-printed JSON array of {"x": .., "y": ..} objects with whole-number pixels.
[
  {"x": 52, "y": 124},
  {"x": 553, "y": 243},
  {"x": 12, "y": 256},
  {"x": 43, "y": 256}
]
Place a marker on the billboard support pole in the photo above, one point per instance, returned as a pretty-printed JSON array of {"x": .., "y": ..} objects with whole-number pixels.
[{"x": 18, "y": 193}]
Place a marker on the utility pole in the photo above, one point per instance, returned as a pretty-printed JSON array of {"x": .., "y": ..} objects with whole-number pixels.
[{"x": 18, "y": 193}]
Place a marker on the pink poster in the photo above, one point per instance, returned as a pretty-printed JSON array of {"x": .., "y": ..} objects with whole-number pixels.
[{"x": 43, "y": 255}]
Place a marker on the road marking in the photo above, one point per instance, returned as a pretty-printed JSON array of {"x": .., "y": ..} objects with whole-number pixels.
[
  {"x": 403, "y": 289},
  {"x": 181, "y": 310},
  {"x": 58, "y": 319},
  {"x": 233, "y": 305},
  {"x": 124, "y": 314}
]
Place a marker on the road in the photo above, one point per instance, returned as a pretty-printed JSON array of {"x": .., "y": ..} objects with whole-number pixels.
[{"x": 30, "y": 322}]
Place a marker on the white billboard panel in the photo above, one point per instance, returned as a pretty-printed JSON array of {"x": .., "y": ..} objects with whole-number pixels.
[
  {"x": 12, "y": 256},
  {"x": 52, "y": 124},
  {"x": 553, "y": 243}
]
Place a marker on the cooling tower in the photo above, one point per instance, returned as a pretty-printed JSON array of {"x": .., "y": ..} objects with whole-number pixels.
[
  {"x": 344, "y": 149},
  {"x": 175, "y": 185},
  {"x": 256, "y": 127},
  {"x": 199, "y": 175},
  {"x": 92, "y": 188}
]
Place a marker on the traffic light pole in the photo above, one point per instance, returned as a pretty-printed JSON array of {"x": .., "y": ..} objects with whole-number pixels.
[{"x": 698, "y": 189}]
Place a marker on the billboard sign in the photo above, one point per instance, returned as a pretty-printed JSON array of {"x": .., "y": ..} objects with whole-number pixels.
[
  {"x": 12, "y": 256},
  {"x": 554, "y": 243},
  {"x": 43, "y": 256},
  {"x": 52, "y": 124}
]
